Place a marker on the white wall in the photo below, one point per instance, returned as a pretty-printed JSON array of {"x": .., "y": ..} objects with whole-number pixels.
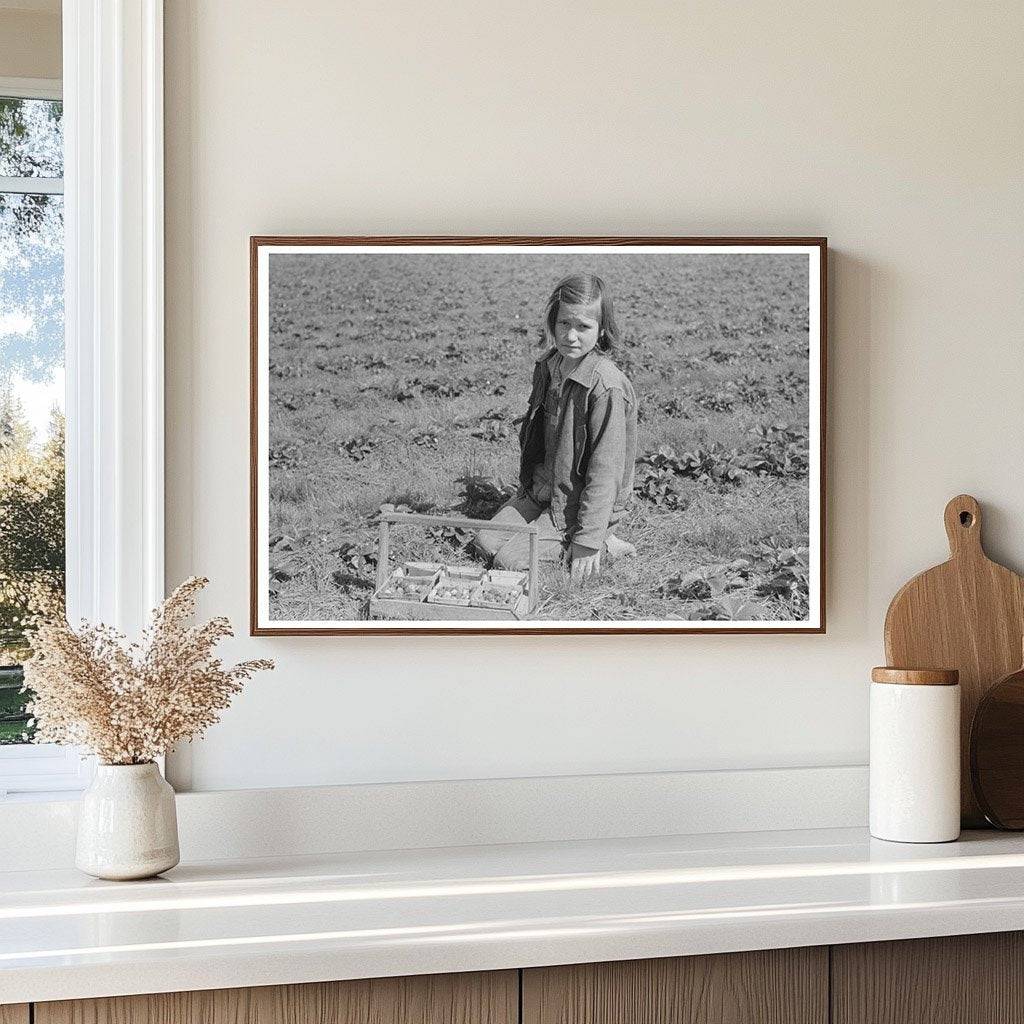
[{"x": 895, "y": 129}]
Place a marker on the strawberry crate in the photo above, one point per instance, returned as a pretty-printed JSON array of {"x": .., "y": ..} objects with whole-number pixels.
[{"x": 388, "y": 603}]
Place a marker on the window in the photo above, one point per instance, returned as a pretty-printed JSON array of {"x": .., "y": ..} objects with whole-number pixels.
[
  {"x": 31, "y": 382},
  {"x": 32, "y": 513},
  {"x": 110, "y": 207}
]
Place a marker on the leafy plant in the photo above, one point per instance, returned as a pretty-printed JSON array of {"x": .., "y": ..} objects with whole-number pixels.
[
  {"x": 782, "y": 449},
  {"x": 773, "y": 570},
  {"x": 709, "y": 611},
  {"x": 408, "y": 390},
  {"x": 717, "y": 401},
  {"x": 482, "y": 496},
  {"x": 791, "y": 387},
  {"x": 357, "y": 448},
  {"x": 425, "y": 439},
  {"x": 721, "y": 355},
  {"x": 750, "y": 391},
  {"x": 675, "y": 408},
  {"x": 764, "y": 351},
  {"x": 357, "y": 558},
  {"x": 782, "y": 571},
  {"x": 690, "y": 586},
  {"x": 724, "y": 592},
  {"x": 284, "y": 455},
  {"x": 715, "y": 463},
  {"x": 658, "y": 483},
  {"x": 493, "y": 426},
  {"x": 482, "y": 384},
  {"x": 454, "y": 538},
  {"x": 738, "y": 608}
]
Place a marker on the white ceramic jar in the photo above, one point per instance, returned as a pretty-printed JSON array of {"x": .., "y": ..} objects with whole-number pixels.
[
  {"x": 127, "y": 824},
  {"x": 915, "y": 755}
]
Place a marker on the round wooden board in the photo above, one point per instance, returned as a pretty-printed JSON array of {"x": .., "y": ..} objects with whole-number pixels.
[
  {"x": 997, "y": 753},
  {"x": 967, "y": 614}
]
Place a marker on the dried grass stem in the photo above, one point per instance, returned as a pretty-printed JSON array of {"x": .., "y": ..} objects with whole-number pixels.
[{"x": 129, "y": 703}]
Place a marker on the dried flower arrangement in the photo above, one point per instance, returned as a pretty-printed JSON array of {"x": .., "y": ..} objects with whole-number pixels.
[{"x": 131, "y": 703}]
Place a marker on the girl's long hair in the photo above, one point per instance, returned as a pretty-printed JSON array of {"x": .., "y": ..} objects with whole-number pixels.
[{"x": 581, "y": 290}]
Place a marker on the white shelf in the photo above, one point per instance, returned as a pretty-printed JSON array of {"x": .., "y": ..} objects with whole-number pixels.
[{"x": 351, "y": 915}]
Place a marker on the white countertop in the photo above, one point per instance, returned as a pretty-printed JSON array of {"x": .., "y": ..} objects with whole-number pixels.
[{"x": 261, "y": 922}]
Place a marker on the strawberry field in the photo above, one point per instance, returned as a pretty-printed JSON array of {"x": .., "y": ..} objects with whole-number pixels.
[{"x": 395, "y": 381}]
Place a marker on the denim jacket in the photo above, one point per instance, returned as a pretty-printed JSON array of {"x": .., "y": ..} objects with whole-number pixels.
[{"x": 595, "y": 449}]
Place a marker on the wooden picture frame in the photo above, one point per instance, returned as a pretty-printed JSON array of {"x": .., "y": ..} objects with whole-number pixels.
[{"x": 782, "y": 329}]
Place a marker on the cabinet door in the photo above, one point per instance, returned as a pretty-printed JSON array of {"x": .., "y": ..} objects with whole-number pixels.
[
  {"x": 962, "y": 979},
  {"x": 481, "y": 998},
  {"x": 14, "y": 1013},
  {"x": 777, "y": 986}
]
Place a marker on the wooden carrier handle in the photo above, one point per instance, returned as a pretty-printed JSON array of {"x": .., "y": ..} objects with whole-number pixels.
[{"x": 963, "y": 526}]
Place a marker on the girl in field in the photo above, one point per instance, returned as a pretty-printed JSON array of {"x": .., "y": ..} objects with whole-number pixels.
[{"x": 577, "y": 441}]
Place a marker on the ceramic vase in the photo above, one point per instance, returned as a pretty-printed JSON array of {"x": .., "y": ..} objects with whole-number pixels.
[{"x": 127, "y": 825}]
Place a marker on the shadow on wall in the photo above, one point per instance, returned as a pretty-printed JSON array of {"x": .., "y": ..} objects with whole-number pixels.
[{"x": 855, "y": 288}]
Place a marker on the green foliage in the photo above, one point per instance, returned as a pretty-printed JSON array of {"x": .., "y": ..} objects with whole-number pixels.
[
  {"x": 31, "y": 546},
  {"x": 15, "y": 725},
  {"x": 30, "y": 138},
  {"x": 30, "y": 146}
]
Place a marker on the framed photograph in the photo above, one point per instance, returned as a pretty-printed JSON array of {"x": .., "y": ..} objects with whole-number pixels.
[{"x": 537, "y": 435}]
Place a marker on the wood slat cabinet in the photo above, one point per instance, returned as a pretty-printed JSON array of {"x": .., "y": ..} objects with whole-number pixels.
[
  {"x": 961, "y": 979},
  {"x": 480, "y": 998},
  {"x": 968, "y": 979},
  {"x": 774, "y": 986}
]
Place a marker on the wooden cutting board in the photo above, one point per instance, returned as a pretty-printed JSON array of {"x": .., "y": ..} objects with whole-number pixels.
[
  {"x": 967, "y": 614},
  {"x": 997, "y": 752}
]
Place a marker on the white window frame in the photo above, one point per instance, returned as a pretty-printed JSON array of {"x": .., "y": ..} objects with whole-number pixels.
[
  {"x": 32, "y": 88},
  {"x": 114, "y": 324}
]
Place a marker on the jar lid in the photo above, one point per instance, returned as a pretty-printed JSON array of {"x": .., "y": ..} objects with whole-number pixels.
[{"x": 916, "y": 676}]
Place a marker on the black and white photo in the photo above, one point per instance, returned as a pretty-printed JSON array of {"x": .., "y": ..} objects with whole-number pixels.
[{"x": 537, "y": 435}]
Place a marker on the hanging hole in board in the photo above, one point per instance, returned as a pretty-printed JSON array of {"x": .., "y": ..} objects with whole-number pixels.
[{"x": 966, "y": 519}]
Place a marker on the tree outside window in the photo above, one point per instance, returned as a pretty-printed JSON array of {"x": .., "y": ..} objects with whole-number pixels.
[{"x": 32, "y": 556}]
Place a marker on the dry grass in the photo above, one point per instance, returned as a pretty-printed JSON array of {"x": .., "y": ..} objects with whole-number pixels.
[{"x": 384, "y": 370}]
